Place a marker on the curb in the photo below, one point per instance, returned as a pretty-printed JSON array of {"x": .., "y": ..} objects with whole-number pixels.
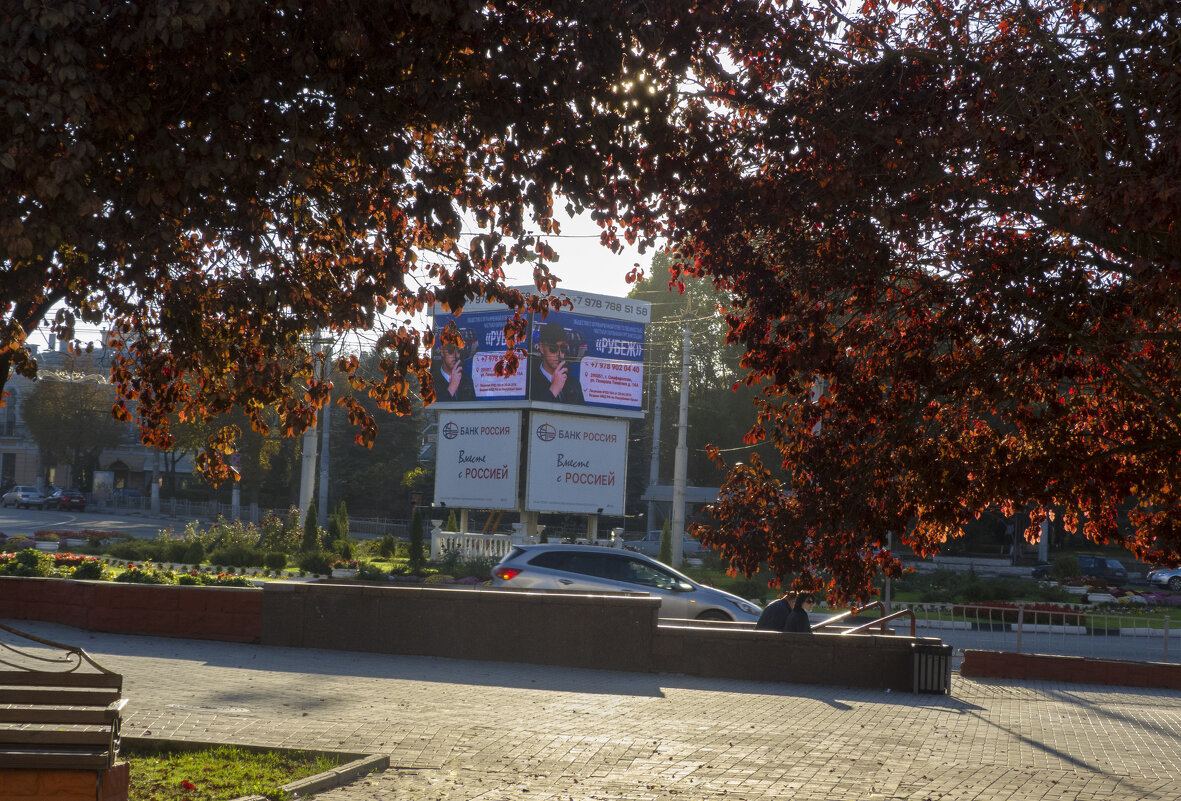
[{"x": 346, "y": 773}]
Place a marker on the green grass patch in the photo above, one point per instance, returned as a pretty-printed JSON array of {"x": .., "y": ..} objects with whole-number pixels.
[{"x": 217, "y": 774}]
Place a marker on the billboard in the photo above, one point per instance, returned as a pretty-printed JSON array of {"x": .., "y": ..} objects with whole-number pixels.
[
  {"x": 590, "y": 356},
  {"x": 477, "y": 461},
  {"x": 577, "y": 464}
]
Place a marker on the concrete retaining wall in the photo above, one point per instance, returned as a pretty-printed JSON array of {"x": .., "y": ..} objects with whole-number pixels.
[
  {"x": 230, "y": 614},
  {"x": 593, "y": 631},
  {"x": 1075, "y": 669},
  {"x": 862, "y": 660},
  {"x": 609, "y": 632}
]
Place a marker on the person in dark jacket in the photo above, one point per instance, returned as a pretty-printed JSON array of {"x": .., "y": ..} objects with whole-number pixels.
[
  {"x": 550, "y": 378},
  {"x": 798, "y": 621},
  {"x": 774, "y": 617}
]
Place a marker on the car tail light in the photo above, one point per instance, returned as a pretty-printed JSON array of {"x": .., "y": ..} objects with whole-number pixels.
[{"x": 505, "y": 573}]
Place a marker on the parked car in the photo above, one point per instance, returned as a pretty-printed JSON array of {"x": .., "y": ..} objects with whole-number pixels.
[
  {"x": 1166, "y": 577},
  {"x": 66, "y": 499},
  {"x": 1108, "y": 570},
  {"x": 23, "y": 496},
  {"x": 593, "y": 568},
  {"x": 1042, "y": 571},
  {"x": 650, "y": 545}
]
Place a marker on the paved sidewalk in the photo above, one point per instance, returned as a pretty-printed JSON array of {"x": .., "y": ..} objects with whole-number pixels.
[{"x": 493, "y": 731}]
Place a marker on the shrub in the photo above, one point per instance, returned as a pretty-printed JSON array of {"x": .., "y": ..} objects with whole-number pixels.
[
  {"x": 449, "y": 564},
  {"x": 275, "y": 560},
  {"x": 133, "y": 575},
  {"x": 452, "y": 523},
  {"x": 368, "y": 571},
  {"x": 416, "y": 558},
  {"x": 280, "y": 533},
  {"x": 480, "y": 567},
  {"x": 311, "y": 530},
  {"x": 194, "y": 553},
  {"x": 175, "y": 551},
  {"x": 31, "y": 562},
  {"x": 237, "y": 556},
  {"x": 90, "y": 569},
  {"x": 133, "y": 550},
  {"x": 438, "y": 578},
  {"x": 666, "y": 543},
  {"x": 387, "y": 546},
  {"x": 344, "y": 549},
  {"x": 315, "y": 562}
]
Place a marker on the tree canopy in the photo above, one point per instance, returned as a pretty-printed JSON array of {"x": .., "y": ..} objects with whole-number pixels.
[
  {"x": 951, "y": 235},
  {"x": 948, "y": 230},
  {"x": 215, "y": 182}
]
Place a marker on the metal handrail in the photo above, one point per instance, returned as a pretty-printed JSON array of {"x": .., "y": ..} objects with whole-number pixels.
[
  {"x": 880, "y": 622},
  {"x": 883, "y": 621},
  {"x": 73, "y": 658},
  {"x": 850, "y": 613}
]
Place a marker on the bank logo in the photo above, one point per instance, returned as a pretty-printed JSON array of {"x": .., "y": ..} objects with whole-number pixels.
[
  {"x": 450, "y": 430},
  {"x": 546, "y": 432}
]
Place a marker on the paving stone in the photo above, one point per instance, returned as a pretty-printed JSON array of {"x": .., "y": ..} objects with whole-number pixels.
[{"x": 488, "y": 731}]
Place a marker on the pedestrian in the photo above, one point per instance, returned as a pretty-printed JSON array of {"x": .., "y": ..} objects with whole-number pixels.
[
  {"x": 774, "y": 617},
  {"x": 798, "y": 621}
]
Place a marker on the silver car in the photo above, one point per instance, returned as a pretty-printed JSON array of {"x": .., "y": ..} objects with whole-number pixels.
[
  {"x": 23, "y": 496},
  {"x": 1166, "y": 577},
  {"x": 591, "y": 568}
]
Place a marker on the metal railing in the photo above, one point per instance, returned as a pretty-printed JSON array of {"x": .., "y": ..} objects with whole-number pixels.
[{"x": 1135, "y": 634}]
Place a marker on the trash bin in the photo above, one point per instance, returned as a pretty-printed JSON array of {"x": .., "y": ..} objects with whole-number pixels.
[{"x": 932, "y": 667}]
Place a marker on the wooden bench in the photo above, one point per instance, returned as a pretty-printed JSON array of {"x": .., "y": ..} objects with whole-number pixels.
[{"x": 57, "y": 711}]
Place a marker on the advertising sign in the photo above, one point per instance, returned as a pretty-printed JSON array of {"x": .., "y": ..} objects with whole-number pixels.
[
  {"x": 587, "y": 361},
  {"x": 467, "y": 375},
  {"x": 591, "y": 356},
  {"x": 478, "y": 459},
  {"x": 577, "y": 464}
]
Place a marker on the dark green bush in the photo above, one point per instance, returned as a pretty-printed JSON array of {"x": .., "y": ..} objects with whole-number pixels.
[
  {"x": 449, "y": 564},
  {"x": 416, "y": 556},
  {"x": 237, "y": 556},
  {"x": 311, "y": 530},
  {"x": 387, "y": 546},
  {"x": 91, "y": 570},
  {"x": 194, "y": 554},
  {"x": 133, "y": 550},
  {"x": 275, "y": 560},
  {"x": 344, "y": 549},
  {"x": 136, "y": 576},
  {"x": 479, "y": 567},
  {"x": 368, "y": 571},
  {"x": 176, "y": 551},
  {"x": 316, "y": 562},
  {"x": 31, "y": 562}
]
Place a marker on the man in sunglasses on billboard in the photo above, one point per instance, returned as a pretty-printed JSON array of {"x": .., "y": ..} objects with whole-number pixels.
[
  {"x": 550, "y": 378},
  {"x": 451, "y": 382}
]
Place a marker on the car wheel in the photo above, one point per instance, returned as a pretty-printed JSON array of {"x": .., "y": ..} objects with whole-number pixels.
[
  {"x": 1175, "y": 583},
  {"x": 714, "y": 614}
]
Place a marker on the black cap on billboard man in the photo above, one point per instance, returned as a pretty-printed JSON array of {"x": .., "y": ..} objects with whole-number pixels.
[{"x": 550, "y": 378}]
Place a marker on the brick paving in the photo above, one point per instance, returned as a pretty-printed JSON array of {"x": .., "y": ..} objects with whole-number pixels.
[{"x": 490, "y": 731}]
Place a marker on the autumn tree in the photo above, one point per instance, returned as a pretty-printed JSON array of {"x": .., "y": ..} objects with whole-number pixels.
[
  {"x": 71, "y": 423},
  {"x": 216, "y": 182},
  {"x": 950, "y": 231}
]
